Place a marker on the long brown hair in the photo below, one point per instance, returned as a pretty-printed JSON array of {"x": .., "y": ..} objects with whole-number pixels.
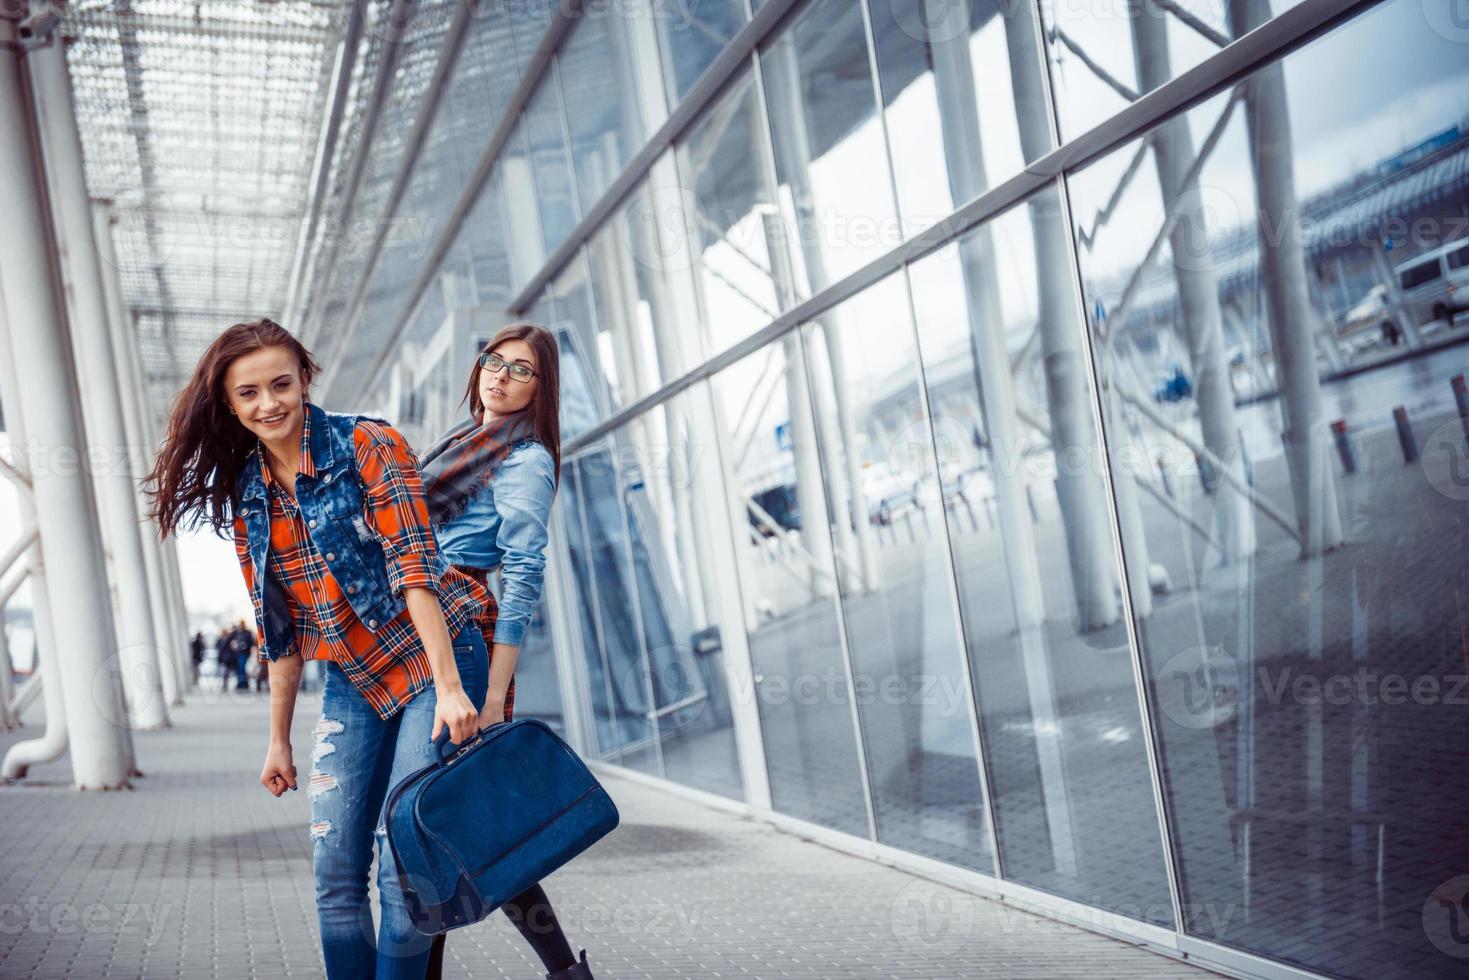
[
  {"x": 194, "y": 476},
  {"x": 545, "y": 406}
]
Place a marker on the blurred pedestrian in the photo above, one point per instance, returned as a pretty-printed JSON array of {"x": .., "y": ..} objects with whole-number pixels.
[
  {"x": 196, "y": 655},
  {"x": 224, "y": 655},
  {"x": 242, "y": 642}
]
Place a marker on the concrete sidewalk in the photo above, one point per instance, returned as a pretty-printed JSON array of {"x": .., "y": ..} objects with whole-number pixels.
[{"x": 198, "y": 872}]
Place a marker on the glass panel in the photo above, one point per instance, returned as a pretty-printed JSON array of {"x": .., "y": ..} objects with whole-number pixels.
[
  {"x": 602, "y": 564},
  {"x": 550, "y": 165},
  {"x": 566, "y": 310},
  {"x": 897, "y": 598},
  {"x": 589, "y": 638},
  {"x": 599, "y": 86},
  {"x": 830, "y": 160},
  {"x": 1306, "y": 664},
  {"x": 484, "y": 241},
  {"x": 1023, "y": 491},
  {"x": 963, "y": 77},
  {"x": 515, "y": 177},
  {"x": 670, "y": 484},
  {"x": 691, "y": 36},
  {"x": 638, "y": 343},
  {"x": 1106, "y": 54},
  {"x": 531, "y": 18},
  {"x": 537, "y": 687},
  {"x": 731, "y": 211},
  {"x": 789, "y": 590}
]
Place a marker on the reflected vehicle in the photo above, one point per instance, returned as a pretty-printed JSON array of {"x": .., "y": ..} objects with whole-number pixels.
[
  {"x": 960, "y": 485},
  {"x": 1368, "y": 324},
  {"x": 1433, "y": 284},
  {"x": 779, "y": 503},
  {"x": 889, "y": 495}
]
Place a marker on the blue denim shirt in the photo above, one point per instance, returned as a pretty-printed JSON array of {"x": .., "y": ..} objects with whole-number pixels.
[{"x": 505, "y": 526}]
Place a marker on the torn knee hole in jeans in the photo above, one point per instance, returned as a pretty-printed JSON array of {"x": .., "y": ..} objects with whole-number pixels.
[
  {"x": 320, "y": 828},
  {"x": 323, "y": 781}
]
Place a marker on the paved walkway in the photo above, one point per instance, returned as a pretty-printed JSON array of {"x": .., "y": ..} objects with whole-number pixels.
[{"x": 198, "y": 872}]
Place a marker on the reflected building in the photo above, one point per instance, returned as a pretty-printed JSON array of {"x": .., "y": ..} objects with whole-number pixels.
[{"x": 1002, "y": 438}]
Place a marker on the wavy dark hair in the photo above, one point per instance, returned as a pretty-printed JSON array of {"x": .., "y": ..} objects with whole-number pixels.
[
  {"x": 194, "y": 476},
  {"x": 545, "y": 406}
]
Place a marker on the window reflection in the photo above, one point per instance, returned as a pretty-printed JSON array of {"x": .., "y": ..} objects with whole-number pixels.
[
  {"x": 960, "y": 83},
  {"x": 599, "y": 86},
  {"x": 691, "y": 36},
  {"x": 515, "y": 176},
  {"x": 784, "y": 553},
  {"x": 730, "y": 213},
  {"x": 670, "y": 487},
  {"x": 902, "y": 625},
  {"x": 830, "y": 158},
  {"x": 1250, "y": 277},
  {"x": 635, "y": 262},
  {"x": 1022, "y": 488},
  {"x": 550, "y": 166},
  {"x": 566, "y": 309},
  {"x": 612, "y": 644},
  {"x": 1107, "y": 54}
]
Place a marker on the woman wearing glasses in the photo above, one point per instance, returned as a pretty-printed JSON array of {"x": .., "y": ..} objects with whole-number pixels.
[{"x": 490, "y": 482}]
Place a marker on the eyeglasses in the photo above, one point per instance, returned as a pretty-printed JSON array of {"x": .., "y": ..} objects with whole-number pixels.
[{"x": 494, "y": 362}]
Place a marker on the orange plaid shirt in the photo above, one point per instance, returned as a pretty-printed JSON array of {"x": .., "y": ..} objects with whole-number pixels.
[{"x": 390, "y": 666}]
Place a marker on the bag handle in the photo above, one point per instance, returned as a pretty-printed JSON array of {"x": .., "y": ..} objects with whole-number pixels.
[{"x": 450, "y": 752}]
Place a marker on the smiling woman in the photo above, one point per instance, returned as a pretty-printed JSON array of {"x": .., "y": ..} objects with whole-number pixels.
[{"x": 331, "y": 530}]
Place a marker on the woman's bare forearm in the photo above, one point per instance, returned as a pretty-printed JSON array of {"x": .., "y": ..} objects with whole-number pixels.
[
  {"x": 502, "y": 669},
  {"x": 428, "y": 618},
  {"x": 285, "y": 677}
]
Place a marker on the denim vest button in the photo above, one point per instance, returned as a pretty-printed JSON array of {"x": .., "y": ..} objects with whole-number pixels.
[
  {"x": 372, "y": 624},
  {"x": 311, "y": 523},
  {"x": 331, "y": 556},
  {"x": 327, "y": 478},
  {"x": 351, "y": 590}
]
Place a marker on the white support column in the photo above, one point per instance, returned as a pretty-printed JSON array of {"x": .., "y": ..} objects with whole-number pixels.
[
  {"x": 110, "y": 457},
  {"x": 141, "y": 445},
  {"x": 66, "y": 515},
  {"x": 1201, "y": 324},
  {"x": 174, "y": 595},
  {"x": 1291, "y": 317}
]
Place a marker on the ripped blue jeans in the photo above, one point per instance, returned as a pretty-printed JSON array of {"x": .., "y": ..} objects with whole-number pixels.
[{"x": 356, "y": 759}]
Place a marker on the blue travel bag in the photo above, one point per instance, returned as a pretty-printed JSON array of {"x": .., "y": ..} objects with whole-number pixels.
[{"x": 484, "y": 823}]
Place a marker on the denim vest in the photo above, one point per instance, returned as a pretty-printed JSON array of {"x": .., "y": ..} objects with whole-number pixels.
[{"x": 333, "y": 505}]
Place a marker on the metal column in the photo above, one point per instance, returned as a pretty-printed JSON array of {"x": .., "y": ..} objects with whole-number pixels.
[
  {"x": 52, "y": 743},
  {"x": 45, "y": 393},
  {"x": 1292, "y": 318},
  {"x": 141, "y": 445},
  {"x": 110, "y": 456}
]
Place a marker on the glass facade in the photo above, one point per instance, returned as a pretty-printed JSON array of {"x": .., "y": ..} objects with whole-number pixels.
[{"x": 953, "y": 466}]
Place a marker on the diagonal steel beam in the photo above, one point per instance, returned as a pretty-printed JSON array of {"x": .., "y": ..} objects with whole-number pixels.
[
  {"x": 449, "y": 49},
  {"x": 127, "y": 34}
]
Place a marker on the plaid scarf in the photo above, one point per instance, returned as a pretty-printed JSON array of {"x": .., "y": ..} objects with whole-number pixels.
[{"x": 464, "y": 461}]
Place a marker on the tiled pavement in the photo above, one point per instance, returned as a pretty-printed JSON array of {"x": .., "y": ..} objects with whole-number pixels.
[{"x": 198, "y": 872}]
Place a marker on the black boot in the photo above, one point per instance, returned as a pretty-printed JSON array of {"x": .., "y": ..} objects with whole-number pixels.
[
  {"x": 435, "y": 969},
  {"x": 577, "y": 971}
]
